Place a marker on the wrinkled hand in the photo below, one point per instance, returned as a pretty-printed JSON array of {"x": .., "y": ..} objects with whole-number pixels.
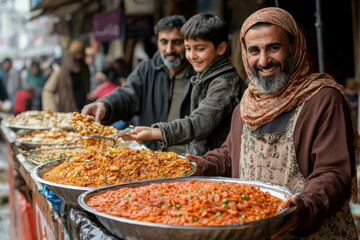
[
  {"x": 96, "y": 109},
  {"x": 291, "y": 223},
  {"x": 198, "y": 160},
  {"x": 140, "y": 134}
]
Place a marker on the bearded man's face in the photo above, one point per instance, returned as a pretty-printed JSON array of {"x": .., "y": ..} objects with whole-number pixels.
[{"x": 269, "y": 60}]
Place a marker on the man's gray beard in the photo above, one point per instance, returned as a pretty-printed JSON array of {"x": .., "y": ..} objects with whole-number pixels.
[
  {"x": 270, "y": 84},
  {"x": 171, "y": 64}
]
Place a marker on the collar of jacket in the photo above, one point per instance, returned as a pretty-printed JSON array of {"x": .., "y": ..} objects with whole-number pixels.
[{"x": 219, "y": 67}]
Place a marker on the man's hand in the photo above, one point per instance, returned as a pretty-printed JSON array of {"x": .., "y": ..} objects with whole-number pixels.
[
  {"x": 140, "y": 134},
  {"x": 198, "y": 160},
  {"x": 291, "y": 223},
  {"x": 96, "y": 109}
]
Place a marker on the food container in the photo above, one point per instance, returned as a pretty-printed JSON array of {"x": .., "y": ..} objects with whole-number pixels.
[
  {"x": 132, "y": 229},
  {"x": 32, "y": 155},
  {"x": 67, "y": 193},
  {"x": 16, "y": 128},
  {"x": 34, "y": 119},
  {"x": 33, "y": 139}
]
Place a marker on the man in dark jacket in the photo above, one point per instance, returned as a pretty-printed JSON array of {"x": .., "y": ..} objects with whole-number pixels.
[{"x": 158, "y": 90}]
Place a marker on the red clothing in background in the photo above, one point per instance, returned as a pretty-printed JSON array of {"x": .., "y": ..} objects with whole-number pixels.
[
  {"x": 23, "y": 100},
  {"x": 104, "y": 89}
]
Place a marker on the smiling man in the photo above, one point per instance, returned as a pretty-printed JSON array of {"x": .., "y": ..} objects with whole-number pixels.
[
  {"x": 158, "y": 90},
  {"x": 293, "y": 128},
  {"x": 269, "y": 57}
]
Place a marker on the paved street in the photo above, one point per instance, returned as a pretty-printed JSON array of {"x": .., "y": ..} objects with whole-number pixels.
[{"x": 4, "y": 193}]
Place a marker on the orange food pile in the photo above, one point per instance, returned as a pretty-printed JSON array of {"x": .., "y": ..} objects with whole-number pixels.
[
  {"x": 195, "y": 203},
  {"x": 85, "y": 125},
  {"x": 97, "y": 166}
]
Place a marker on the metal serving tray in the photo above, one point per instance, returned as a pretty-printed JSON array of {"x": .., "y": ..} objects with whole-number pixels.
[
  {"x": 31, "y": 154},
  {"x": 68, "y": 193},
  {"x": 132, "y": 229},
  {"x": 16, "y": 128},
  {"x": 33, "y": 145}
]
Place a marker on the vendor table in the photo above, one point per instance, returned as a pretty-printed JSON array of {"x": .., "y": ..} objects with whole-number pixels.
[{"x": 32, "y": 215}]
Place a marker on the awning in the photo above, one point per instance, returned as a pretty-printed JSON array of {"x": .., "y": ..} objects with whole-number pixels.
[{"x": 61, "y": 8}]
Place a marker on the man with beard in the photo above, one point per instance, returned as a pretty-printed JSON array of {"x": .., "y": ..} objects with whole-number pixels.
[
  {"x": 292, "y": 128},
  {"x": 158, "y": 90}
]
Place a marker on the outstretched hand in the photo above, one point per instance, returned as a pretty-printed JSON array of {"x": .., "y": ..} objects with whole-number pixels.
[
  {"x": 291, "y": 223},
  {"x": 96, "y": 109},
  {"x": 140, "y": 134},
  {"x": 198, "y": 160}
]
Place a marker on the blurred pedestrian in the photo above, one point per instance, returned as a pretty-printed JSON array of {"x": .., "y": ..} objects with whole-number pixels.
[
  {"x": 3, "y": 93},
  {"x": 114, "y": 77},
  {"x": 90, "y": 61},
  {"x": 10, "y": 79},
  {"x": 29, "y": 97},
  {"x": 67, "y": 87}
]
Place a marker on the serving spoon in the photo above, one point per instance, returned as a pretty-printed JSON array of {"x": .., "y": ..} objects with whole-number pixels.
[{"x": 127, "y": 130}]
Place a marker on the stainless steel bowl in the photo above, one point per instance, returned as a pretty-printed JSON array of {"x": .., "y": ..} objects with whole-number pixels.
[
  {"x": 33, "y": 145},
  {"x": 31, "y": 154},
  {"x": 68, "y": 193},
  {"x": 30, "y": 145},
  {"x": 131, "y": 229}
]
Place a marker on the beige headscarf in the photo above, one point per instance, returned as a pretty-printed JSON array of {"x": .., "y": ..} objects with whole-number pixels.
[{"x": 302, "y": 84}]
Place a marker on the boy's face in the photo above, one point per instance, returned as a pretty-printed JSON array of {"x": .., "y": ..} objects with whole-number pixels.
[
  {"x": 171, "y": 46},
  {"x": 201, "y": 53}
]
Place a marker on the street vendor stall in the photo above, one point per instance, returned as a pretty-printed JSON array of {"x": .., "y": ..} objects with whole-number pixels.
[
  {"x": 56, "y": 176},
  {"x": 32, "y": 215}
]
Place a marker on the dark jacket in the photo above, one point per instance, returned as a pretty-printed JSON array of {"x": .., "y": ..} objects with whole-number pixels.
[
  {"x": 145, "y": 94},
  {"x": 3, "y": 92},
  {"x": 216, "y": 92}
]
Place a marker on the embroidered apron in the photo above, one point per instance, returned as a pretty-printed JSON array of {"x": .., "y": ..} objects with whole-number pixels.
[{"x": 272, "y": 158}]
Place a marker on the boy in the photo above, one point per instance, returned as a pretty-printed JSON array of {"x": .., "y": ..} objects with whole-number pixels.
[{"x": 217, "y": 90}]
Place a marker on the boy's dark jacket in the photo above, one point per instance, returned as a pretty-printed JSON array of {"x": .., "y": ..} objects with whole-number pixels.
[{"x": 216, "y": 92}]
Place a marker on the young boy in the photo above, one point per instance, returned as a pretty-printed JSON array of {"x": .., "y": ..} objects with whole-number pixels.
[{"x": 217, "y": 89}]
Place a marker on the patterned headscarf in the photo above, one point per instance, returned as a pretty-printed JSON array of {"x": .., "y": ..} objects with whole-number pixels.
[{"x": 261, "y": 108}]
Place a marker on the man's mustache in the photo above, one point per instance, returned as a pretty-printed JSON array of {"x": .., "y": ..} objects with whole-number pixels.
[
  {"x": 270, "y": 65},
  {"x": 171, "y": 54}
]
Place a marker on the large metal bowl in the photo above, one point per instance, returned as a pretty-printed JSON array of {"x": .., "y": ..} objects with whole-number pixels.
[
  {"x": 132, "y": 229},
  {"x": 68, "y": 193}
]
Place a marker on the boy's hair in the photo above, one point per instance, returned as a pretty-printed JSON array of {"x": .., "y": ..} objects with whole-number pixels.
[
  {"x": 206, "y": 26},
  {"x": 168, "y": 23}
]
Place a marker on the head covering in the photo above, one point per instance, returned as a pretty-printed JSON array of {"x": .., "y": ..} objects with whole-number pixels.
[
  {"x": 258, "y": 108},
  {"x": 77, "y": 46}
]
